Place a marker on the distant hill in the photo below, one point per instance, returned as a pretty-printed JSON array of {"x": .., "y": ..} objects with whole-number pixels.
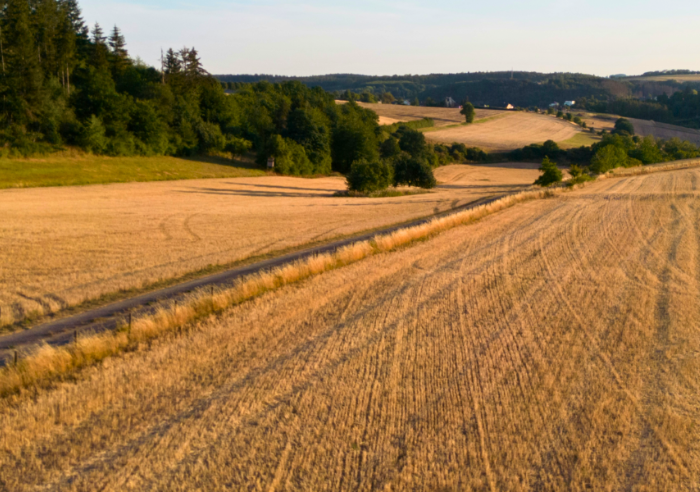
[{"x": 482, "y": 88}]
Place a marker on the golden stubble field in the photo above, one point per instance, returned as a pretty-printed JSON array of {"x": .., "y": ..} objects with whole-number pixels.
[
  {"x": 508, "y": 132},
  {"x": 62, "y": 246},
  {"x": 392, "y": 113},
  {"x": 552, "y": 346}
]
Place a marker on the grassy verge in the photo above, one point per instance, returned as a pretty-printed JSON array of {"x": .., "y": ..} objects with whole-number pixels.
[
  {"x": 48, "y": 363},
  {"x": 76, "y": 168},
  {"x": 583, "y": 139}
]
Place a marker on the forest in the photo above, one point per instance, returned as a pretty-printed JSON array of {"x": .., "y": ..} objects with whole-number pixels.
[{"x": 64, "y": 84}]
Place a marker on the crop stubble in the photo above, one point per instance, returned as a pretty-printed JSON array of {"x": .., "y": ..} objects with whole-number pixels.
[
  {"x": 551, "y": 346},
  {"x": 62, "y": 246}
]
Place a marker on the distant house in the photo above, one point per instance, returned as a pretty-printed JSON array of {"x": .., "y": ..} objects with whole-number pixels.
[
  {"x": 554, "y": 105},
  {"x": 568, "y": 104},
  {"x": 449, "y": 102},
  {"x": 510, "y": 106},
  {"x": 406, "y": 102}
]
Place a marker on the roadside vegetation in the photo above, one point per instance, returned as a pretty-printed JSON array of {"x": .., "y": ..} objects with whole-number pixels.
[{"x": 51, "y": 363}]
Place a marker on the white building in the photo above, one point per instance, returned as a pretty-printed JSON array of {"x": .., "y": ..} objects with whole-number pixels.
[
  {"x": 568, "y": 104},
  {"x": 554, "y": 105},
  {"x": 449, "y": 102}
]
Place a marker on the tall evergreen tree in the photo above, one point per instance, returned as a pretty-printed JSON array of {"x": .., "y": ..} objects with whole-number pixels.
[
  {"x": 23, "y": 69},
  {"x": 100, "y": 52},
  {"x": 120, "y": 57}
]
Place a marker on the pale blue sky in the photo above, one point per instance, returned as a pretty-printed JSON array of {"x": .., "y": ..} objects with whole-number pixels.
[{"x": 386, "y": 37}]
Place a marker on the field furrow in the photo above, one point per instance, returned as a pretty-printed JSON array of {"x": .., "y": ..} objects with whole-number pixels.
[{"x": 551, "y": 346}]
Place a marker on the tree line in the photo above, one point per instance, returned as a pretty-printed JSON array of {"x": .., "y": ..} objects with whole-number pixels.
[{"x": 620, "y": 148}]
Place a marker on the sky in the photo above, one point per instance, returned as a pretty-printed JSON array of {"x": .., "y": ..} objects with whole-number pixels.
[{"x": 387, "y": 37}]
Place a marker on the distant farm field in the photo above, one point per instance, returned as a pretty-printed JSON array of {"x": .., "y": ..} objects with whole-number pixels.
[
  {"x": 63, "y": 246},
  {"x": 551, "y": 346},
  {"x": 643, "y": 127},
  {"x": 82, "y": 169},
  {"x": 507, "y": 132},
  {"x": 662, "y": 78},
  {"x": 392, "y": 113}
]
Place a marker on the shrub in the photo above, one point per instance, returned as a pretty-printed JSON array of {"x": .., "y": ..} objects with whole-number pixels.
[
  {"x": 92, "y": 137},
  {"x": 468, "y": 111},
  {"x": 607, "y": 158},
  {"x": 624, "y": 126},
  {"x": 237, "y": 146},
  {"x": 413, "y": 171},
  {"x": 550, "y": 173},
  {"x": 290, "y": 157},
  {"x": 368, "y": 177},
  {"x": 578, "y": 175}
]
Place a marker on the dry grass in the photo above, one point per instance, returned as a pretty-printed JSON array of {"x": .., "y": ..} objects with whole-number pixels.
[
  {"x": 392, "y": 113},
  {"x": 60, "y": 247},
  {"x": 512, "y": 131},
  {"x": 48, "y": 363},
  {"x": 553, "y": 347}
]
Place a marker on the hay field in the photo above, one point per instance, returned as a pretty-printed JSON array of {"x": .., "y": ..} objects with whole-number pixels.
[
  {"x": 507, "y": 132},
  {"x": 62, "y": 246},
  {"x": 392, "y": 113},
  {"x": 553, "y": 346},
  {"x": 644, "y": 127},
  {"x": 692, "y": 77}
]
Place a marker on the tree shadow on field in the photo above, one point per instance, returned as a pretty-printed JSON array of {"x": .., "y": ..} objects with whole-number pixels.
[
  {"x": 480, "y": 187},
  {"x": 253, "y": 193},
  {"x": 320, "y": 190}
]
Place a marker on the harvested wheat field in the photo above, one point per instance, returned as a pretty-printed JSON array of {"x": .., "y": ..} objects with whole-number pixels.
[
  {"x": 62, "y": 246},
  {"x": 552, "y": 346},
  {"x": 507, "y": 132},
  {"x": 393, "y": 113}
]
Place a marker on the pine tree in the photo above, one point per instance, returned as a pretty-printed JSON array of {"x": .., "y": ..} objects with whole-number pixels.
[
  {"x": 99, "y": 56},
  {"x": 23, "y": 76},
  {"x": 173, "y": 65},
  {"x": 66, "y": 45},
  {"x": 120, "y": 57},
  {"x": 75, "y": 16}
]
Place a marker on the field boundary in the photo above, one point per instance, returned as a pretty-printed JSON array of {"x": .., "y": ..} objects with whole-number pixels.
[{"x": 49, "y": 362}]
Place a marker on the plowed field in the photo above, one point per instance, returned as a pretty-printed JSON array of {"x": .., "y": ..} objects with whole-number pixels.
[
  {"x": 61, "y": 246},
  {"x": 552, "y": 346}
]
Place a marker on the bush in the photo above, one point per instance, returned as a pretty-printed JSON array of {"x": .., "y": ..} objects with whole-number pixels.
[
  {"x": 578, "y": 175},
  {"x": 413, "y": 171},
  {"x": 550, "y": 173},
  {"x": 237, "y": 146},
  {"x": 624, "y": 126},
  {"x": 607, "y": 158},
  {"x": 468, "y": 111},
  {"x": 368, "y": 177},
  {"x": 290, "y": 157},
  {"x": 210, "y": 137},
  {"x": 92, "y": 137}
]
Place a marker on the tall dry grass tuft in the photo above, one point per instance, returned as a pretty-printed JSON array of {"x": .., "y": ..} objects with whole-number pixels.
[{"x": 47, "y": 362}]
